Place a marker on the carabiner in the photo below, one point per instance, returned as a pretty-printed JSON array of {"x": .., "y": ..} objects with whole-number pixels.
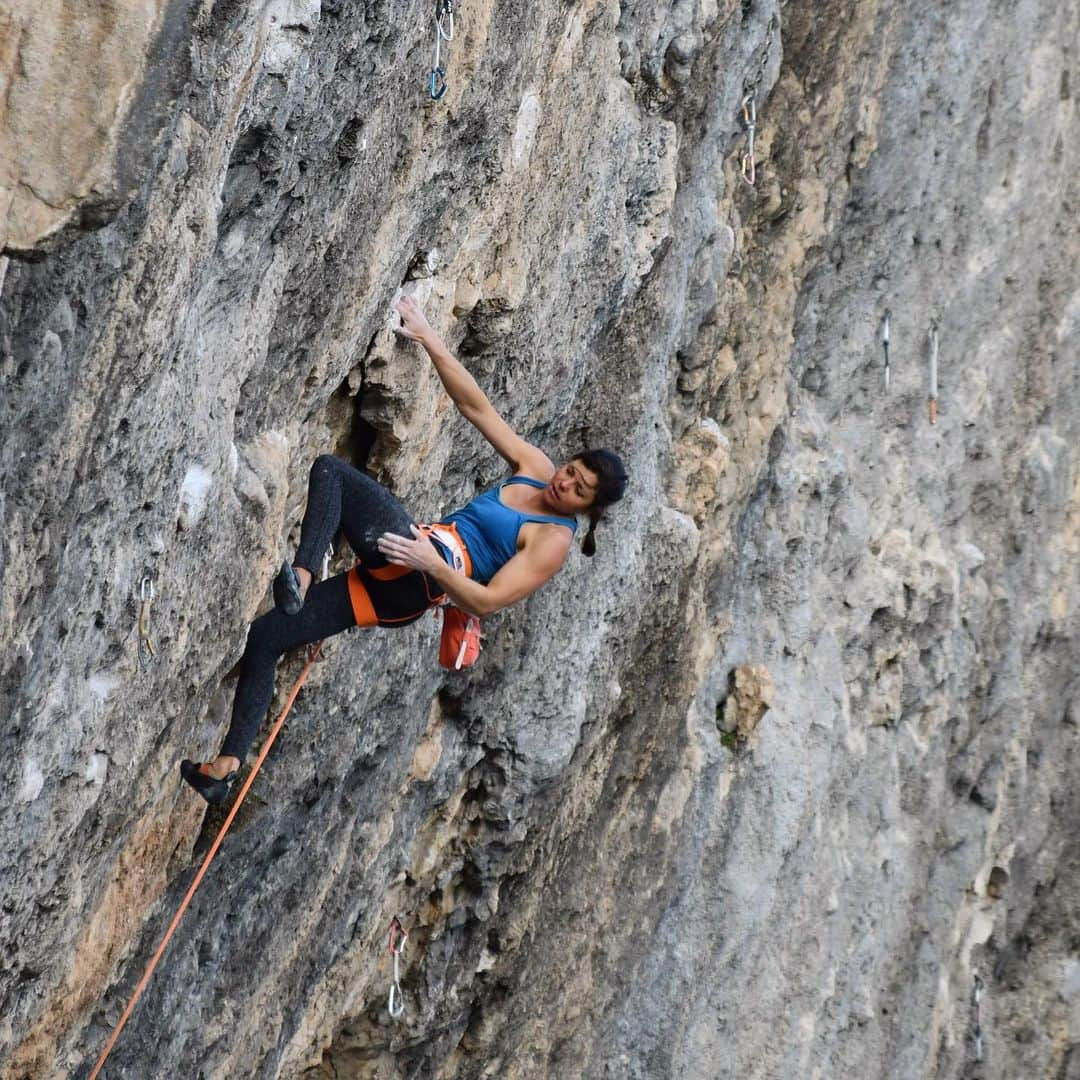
[
  {"x": 444, "y": 7},
  {"x": 437, "y": 83}
]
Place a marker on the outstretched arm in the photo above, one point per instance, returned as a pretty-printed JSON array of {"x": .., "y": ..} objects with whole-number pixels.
[
  {"x": 516, "y": 579},
  {"x": 471, "y": 401}
]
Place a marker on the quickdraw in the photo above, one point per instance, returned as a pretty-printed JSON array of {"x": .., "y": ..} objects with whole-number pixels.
[
  {"x": 444, "y": 31},
  {"x": 146, "y": 599},
  {"x": 747, "y": 167},
  {"x": 398, "y": 936},
  {"x": 887, "y": 318}
]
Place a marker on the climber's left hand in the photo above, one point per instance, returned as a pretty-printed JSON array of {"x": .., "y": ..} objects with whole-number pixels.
[
  {"x": 414, "y": 325},
  {"x": 418, "y": 553}
]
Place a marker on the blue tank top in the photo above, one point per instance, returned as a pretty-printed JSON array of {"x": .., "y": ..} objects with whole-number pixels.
[{"x": 489, "y": 528}]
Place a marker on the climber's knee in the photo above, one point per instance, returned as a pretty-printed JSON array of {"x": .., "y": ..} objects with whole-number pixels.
[
  {"x": 323, "y": 465},
  {"x": 262, "y": 637}
]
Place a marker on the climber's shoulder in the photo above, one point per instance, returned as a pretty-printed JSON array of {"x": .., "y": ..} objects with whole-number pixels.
[{"x": 533, "y": 463}]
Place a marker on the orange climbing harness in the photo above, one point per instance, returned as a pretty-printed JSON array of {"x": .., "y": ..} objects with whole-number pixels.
[
  {"x": 459, "y": 643},
  {"x": 312, "y": 657}
]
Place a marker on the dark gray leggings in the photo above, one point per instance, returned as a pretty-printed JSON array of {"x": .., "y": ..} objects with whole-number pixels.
[{"x": 339, "y": 496}]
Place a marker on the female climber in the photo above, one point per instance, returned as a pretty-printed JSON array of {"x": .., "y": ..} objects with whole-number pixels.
[{"x": 513, "y": 538}]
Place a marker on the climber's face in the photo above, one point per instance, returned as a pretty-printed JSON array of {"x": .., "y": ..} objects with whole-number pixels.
[{"x": 572, "y": 489}]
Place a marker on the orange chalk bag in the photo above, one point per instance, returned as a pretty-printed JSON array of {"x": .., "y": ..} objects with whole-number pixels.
[{"x": 459, "y": 645}]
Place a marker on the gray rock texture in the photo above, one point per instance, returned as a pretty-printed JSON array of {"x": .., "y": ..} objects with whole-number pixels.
[{"x": 782, "y": 783}]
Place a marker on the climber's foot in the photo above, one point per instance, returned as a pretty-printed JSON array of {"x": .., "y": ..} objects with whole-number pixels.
[
  {"x": 213, "y": 789},
  {"x": 288, "y": 592}
]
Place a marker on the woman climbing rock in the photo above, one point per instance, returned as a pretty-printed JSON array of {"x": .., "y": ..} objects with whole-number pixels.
[{"x": 512, "y": 538}]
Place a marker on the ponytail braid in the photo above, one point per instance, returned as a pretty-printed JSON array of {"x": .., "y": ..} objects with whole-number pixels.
[
  {"x": 611, "y": 485},
  {"x": 588, "y": 545}
]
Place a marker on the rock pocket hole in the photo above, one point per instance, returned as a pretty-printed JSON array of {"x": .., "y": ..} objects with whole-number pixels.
[
  {"x": 998, "y": 880},
  {"x": 350, "y": 143},
  {"x": 451, "y": 705},
  {"x": 355, "y": 434},
  {"x": 364, "y": 434}
]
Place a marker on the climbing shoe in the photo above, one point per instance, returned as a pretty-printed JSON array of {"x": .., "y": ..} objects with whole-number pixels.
[
  {"x": 211, "y": 789},
  {"x": 287, "y": 590}
]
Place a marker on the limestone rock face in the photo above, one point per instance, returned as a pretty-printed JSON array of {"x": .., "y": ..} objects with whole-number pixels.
[
  {"x": 203, "y": 246},
  {"x": 77, "y": 98}
]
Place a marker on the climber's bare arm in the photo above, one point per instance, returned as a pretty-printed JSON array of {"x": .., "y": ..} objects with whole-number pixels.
[
  {"x": 471, "y": 401},
  {"x": 534, "y": 564}
]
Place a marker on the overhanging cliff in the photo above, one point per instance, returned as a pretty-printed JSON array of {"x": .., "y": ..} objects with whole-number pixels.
[{"x": 600, "y": 877}]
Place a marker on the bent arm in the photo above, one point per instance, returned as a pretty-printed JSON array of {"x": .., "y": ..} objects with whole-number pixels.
[{"x": 515, "y": 580}]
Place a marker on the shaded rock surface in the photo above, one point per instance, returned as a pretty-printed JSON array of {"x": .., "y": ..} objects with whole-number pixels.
[{"x": 595, "y": 884}]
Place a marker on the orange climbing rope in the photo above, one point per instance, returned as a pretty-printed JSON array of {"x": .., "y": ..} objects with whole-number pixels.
[{"x": 206, "y": 862}]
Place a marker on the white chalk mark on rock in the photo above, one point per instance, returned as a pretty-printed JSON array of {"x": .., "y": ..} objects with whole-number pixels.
[
  {"x": 96, "y": 769},
  {"x": 193, "y": 495},
  {"x": 528, "y": 120},
  {"x": 32, "y": 783}
]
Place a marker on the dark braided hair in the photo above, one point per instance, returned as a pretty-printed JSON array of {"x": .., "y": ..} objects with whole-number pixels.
[{"x": 611, "y": 485}]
